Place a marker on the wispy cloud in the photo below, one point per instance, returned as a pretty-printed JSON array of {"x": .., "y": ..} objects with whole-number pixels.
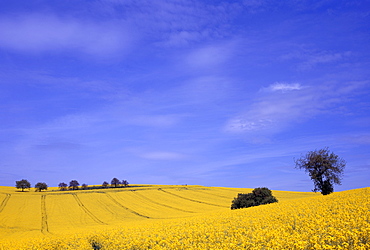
[
  {"x": 310, "y": 58},
  {"x": 272, "y": 111},
  {"x": 210, "y": 56},
  {"x": 178, "y": 23},
  {"x": 284, "y": 87},
  {"x": 163, "y": 23},
  {"x": 182, "y": 91},
  {"x": 58, "y": 145},
  {"x": 38, "y": 33},
  {"x": 283, "y": 105}
]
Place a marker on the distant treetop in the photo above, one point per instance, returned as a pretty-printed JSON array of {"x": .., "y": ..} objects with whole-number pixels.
[{"x": 23, "y": 184}]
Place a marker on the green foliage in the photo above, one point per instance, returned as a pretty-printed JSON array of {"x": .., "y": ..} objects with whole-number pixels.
[
  {"x": 115, "y": 182},
  {"x": 41, "y": 186},
  {"x": 259, "y": 196},
  {"x": 73, "y": 184},
  {"x": 324, "y": 167},
  {"x": 22, "y": 184},
  {"x": 62, "y": 186},
  {"x": 125, "y": 183}
]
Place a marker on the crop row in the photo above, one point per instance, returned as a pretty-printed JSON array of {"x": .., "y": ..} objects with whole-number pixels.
[{"x": 337, "y": 221}]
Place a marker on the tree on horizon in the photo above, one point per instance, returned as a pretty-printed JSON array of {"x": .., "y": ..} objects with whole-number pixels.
[
  {"x": 23, "y": 184},
  {"x": 62, "y": 186},
  {"x": 41, "y": 186},
  {"x": 125, "y": 183},
  {"x": 115, "y": 182},
  {"x": 73, "y": 184},
  {"x": 324, "y": 167}
]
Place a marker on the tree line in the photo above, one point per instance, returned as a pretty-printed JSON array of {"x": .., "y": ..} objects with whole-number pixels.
[
  {"x": 323, "y": 166},
  {"x": 73, "y": 185}
]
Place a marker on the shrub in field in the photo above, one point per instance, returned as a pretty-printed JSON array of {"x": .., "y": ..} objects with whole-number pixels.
[{"x": 259, "y": 196}]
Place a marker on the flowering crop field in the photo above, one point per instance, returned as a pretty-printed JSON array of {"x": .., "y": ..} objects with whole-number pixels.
[{"x": 181, "y": 217}]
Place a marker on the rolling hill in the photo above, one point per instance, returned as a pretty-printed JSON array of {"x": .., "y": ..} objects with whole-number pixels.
[{"x": 143, "y": 211}]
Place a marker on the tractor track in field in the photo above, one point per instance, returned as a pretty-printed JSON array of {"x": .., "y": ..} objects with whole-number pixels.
[
  {"x": 4, "y": 202},
  {"x": 161, "y": 204},
  {"x": 204, "y": 192},
  {"x": 126, "y": 208},
  {"x": 185, "y": 198},
  {"x": 44, "y": 216},
  {"x": 87, "y": 211}
]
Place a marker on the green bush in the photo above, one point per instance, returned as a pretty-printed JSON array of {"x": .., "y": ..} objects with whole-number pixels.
[{"x": 259, "y": 196}]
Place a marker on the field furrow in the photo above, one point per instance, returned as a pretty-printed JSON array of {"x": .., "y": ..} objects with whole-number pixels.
[
  {"x": 189, "y": 199},
  {"x": 86, "y": 210},
  {"x": 138, "y": 193},
  {"x": 64, "y": 214},
  {"x": 154, "y": 211},
  {"x": 178, "y": 202},
  {"x": 4, "y": 202},
  {"x": 336, "y": 221},
  {"x": 206, "y": 195},
  {"x": 181, "y": 217},
  {"x": 126, "y": 208},
  {"x": 20, "y": 215},
  {"x": 44, "y": 218},
  {"x": 209, "y": 192}
]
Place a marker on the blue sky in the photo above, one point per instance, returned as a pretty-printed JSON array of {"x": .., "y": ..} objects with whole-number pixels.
[{"x": 215, "y": 93}]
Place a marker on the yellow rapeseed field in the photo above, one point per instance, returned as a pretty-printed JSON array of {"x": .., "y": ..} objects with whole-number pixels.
[{"x": 181, "y": 217}]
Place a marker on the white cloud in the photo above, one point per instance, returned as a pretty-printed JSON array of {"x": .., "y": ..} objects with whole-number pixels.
[
  {"x": 47, "y": 33},
  {"x": 179, "y": 23},
  {"x": 275, "y": 110},
  {"x": 182, "y": 38},
  {"x": 209, "y": 56},
  {"x": 311, "y": 58},
  {"x": 283, "y": 87},
  {"x": 284, "y": 105},
  {"x": 272, "y": 111},
  {"x": 358, "y": 139}
]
